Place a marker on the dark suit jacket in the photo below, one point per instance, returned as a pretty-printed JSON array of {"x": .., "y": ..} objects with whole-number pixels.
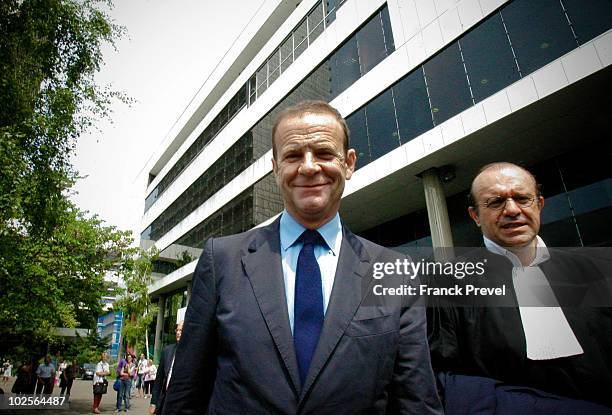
[
  {"x": 488, "y": 339},
  {"x": 158, "y": 394},
  {"x": 236, "y": 354}
]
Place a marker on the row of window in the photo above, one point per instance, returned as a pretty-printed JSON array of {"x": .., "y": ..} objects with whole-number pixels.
[
  {"x": 234, "y": 161},
  {"x": 256, "y": 204},
  {"x": 292, "y": 47},
  {"x": 353, "y": 59},
  {"x": 520, "y": 38},
  {"x": 227, "y": 113}
]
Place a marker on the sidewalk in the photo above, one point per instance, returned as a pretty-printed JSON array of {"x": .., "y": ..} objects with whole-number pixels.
[{"x": 81, "y": 401}]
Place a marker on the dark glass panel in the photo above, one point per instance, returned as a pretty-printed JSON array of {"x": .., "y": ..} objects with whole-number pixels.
[
  {"x": 447, "y": 84},
  {"x": 315, "y": 22},
  {"x": 388, "y": 33},
  {"x": 359, "y": 137},
  {"x": 286, "y": 53},
  {"x": 371, "y": 44},
  {"x": 273, "y": 76},
  {"x": 344, "y": 65},
  {"x": 539, "y": 32},
  {"x": 330, "y": 10},
  {"x": 590, "y": 18},
  {"x": 591, "y": 229},
  {"x": 274, "y": 61},
  {"x": 300, "y": 40},
  {"x": 488, "y": 58},
  {"x": 262, "y": 76},
  {"x": 412, "y": 106},
  {"x": 252, "y": 89},
  {"x": 560, "y": 233},
  {"x": 382, "y": 130}
]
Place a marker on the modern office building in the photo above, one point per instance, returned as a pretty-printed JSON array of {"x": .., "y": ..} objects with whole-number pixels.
[
  {"x": 431, "y": 90},
  {"x": 110, "y": 325}
]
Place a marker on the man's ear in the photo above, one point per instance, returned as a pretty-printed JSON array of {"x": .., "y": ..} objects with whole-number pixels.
[
  {"x": 474, "y": 215},
  {"x": 541, "y": 202},
  {"x": 350, "y": 161},
  {"x": 275, "y": 170}
]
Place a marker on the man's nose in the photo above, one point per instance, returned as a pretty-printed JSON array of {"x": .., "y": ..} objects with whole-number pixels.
[
  {"x": 309, "y": 165},
  {"x": 511, "y": 208}
]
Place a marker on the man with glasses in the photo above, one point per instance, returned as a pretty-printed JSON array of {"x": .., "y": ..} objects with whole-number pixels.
[{"x": 538, "y": 343}]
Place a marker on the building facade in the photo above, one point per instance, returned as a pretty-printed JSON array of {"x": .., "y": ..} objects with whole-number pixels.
[
  {"x": 110, "y": 325},
  {"x": 431, "y": 90}
]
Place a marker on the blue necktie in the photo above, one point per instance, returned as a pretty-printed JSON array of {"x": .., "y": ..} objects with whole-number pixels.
[{"x": 308, "y": 306}]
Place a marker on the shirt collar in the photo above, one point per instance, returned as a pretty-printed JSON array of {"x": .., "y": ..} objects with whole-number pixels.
[
  {"x": 542, "y": 253},
  {"x": 290, "y": 231}
]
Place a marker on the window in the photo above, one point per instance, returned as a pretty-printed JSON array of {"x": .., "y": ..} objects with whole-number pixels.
[
  {"x": 359, "y": 137},
  {"x": 589, "y": 18},
  {"x": 382, "y": 129},
  {"x": 286, "y": 53},
  {"x": 315, "y": 23},
  {"x": 447, "y": 84},
  {"x": 488, "y": 58},
  {"x": 412, "y": 106},
  {"x": 539, "y": 32}
]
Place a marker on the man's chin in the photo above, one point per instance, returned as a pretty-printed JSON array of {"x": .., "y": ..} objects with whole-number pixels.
[{"x": 517, "y": 242}]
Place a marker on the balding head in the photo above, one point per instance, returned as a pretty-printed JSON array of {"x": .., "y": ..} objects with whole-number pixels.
[
  {"x": 506, "y": 204},
  {"x": 498, "y": 166}
]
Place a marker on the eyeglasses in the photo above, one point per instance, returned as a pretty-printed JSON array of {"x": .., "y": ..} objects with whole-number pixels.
[{"x": 499, "y": 202}]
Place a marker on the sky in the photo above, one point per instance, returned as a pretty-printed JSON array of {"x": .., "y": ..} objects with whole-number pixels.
[{"x": 170, "y": 48}]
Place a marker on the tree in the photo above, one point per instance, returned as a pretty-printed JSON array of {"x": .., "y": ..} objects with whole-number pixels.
[
  {"x": 52, "y": 256},
  {"x": 58, "y": 283},
  {"x": 87, "y": 349},
  {"x": 135, "y": 302},
  {"x": 49, "y": 53}
]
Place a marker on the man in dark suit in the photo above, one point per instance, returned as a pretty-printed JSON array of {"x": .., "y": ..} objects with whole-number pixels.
[
  {"x": 545, "y": 334},
  {"x": 163, "y": 375},
  {"x": 282, "y": 319}
]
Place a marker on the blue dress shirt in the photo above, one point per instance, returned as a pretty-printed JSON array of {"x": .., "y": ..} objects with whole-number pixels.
[{"x": 327, "y": 257}]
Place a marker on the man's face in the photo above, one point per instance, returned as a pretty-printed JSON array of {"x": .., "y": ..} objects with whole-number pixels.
[
  {"x": 104, "y": 357},
  {"x": 179, "y": 331},
  {"x": 512, "y": 226},
  {"x": 311, "y": 166}
]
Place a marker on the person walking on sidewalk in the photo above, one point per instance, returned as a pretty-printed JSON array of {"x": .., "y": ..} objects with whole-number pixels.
[
  {"x": 46, "y": 375},
  {"x": 125, "y": 376},
  {"x": 67, "y": 378},
  {"x": 102, "y": 371}
]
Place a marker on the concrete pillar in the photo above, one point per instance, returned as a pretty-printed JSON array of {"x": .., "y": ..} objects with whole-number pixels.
[
  {"x": 439, "y": 224},
  {"x": 159, "y": 328}
]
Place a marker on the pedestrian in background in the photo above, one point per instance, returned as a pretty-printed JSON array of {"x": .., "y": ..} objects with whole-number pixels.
[
  {"x": 163, "y": 374},
  {"x": 150, "y": 375},
  {"x": 67, "y": 378},
  {"x": 102, "y": 371},
  {"x": 46, "y": 377},
  {"x": 8, "y": 368},
  {"x": 142, "y": 364},
  {"x": 125, "y": 376}
]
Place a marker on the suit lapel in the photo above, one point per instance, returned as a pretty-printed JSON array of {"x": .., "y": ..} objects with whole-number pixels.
[
  {"x": 346, "y": 296},
  {"x": 263, "y": 267}
]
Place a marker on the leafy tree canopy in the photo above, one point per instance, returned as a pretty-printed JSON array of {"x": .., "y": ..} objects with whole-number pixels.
[{"x": 52, "y": 256}]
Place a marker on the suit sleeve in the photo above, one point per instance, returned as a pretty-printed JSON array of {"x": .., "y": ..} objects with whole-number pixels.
[
  {"x": 413, "y": 387},
  {"x": 160, "y": 379},
  {"x": 194, "y": 368}
]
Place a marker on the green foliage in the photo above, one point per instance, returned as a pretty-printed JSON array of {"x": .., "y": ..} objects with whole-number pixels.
[
  {"x": 58, "y": 282},
  {"x": 87, "y": 349},
  {"x": 135, "y": 301},
  {"x": 52, "y": 256}
]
